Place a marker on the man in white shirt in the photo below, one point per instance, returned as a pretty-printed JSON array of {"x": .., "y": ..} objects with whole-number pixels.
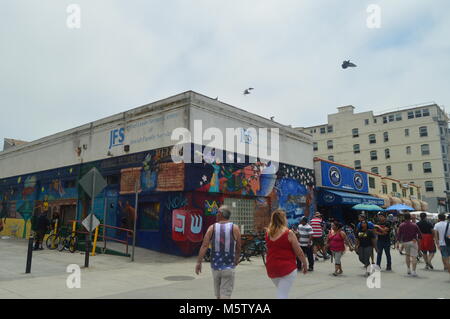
[
  {"x": 305, "y": 239},
  {"x": 442, "y": 230}
]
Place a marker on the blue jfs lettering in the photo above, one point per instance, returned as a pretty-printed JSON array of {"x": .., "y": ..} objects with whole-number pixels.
[{"x": 116, "y": 137}]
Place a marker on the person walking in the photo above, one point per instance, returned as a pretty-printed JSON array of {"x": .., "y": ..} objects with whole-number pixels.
[
  {"x": 442, "y": 238},
  {"x": 317, "y": 236},
  {"x": 370, "y": 225},
  {"x": 365, "y": 244},
  {"x": 383, "y": 230},
  {"x": 409, "y": 236},
  {"x": 225, "y": 239},
  {"x": 282, "y": 250},
  {"x": 427, "y": 245},
  {"x": 41, "y": 227},
  {"x": 305, "y": 240},
  {"x": 336, "y": 241}
]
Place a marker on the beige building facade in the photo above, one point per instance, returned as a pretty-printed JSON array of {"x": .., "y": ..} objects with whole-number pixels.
[{"x": 408, "y": 145}]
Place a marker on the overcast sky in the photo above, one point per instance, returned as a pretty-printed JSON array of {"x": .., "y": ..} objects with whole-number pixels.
[{"x": 130, "y": 53}]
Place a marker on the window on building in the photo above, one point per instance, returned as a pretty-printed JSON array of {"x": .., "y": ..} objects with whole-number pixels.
[
  {"x": 425, "y": 149},
  {"x": 357, "y": 164},
  {"x": 441, "y": 130},
  {"x": 386, "y": 136},
  {"x": 331, "y": 158},
  {"x": 404, "y": 192},
  {"x": 385, "y": 119},
  {"x": 408, "y": 149},
  {"x": 330, "y": 144},
  {"x": 425, "y": 112},
  {"x": 410, "y": 115},
  {"x": 242, "y": 213},
  {"x": 406, "y": 131},
  {"x": 427, "y": 167},
  {"x": 394, "y": 187},
  {"x": 443, "y": 149},
  {"x": 375, "y": 121},
  {"x": 330, "y": 128},
  {"x": 423, "y": 131},
  {"x": 384, "y": 189},
  {"x": 355, "y": 132},
  {"x": 445, "y": 167},
  {"x": 311, "y": 131},
  {"x": 410, "y": 167},
  {"x": 112, "y": 179},
  {"x": 373, "y": 155},
  {"x": 387, "y": 153},
  {"x": 372, "y": 139},
  {"x": 388, "y": 171},
  {"x": 374, "y": 170},
  {"x": 429, "y": 186},
  {"x": 398, "y": 116},
  {"x": 371, "y": 182},
  {"x": 315, "y": 146},
  {"x": 322, "y": 130},
  {"x": 447, "y": 186},
  {"x": 418, "y": 113},
  {"x": 411, "y": 191},
  {"x": 391, "y": 118},
  {"x": 356, "y": 149},
  {"x": 366, "y": 121}
]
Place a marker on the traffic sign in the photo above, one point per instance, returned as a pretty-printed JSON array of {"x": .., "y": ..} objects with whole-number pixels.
[
  {"x": 87, "y": 222},
  {"x": 93, "y": 182}
]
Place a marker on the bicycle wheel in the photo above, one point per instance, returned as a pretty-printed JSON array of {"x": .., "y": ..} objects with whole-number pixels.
[
  {"x": 62, "y": 244},
  {"x": 52, "y": 242},
  {"x": 73, "y": 244}
]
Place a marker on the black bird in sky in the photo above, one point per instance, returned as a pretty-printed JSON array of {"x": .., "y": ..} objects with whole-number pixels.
[
  {"x": 348, "y": 64},
  {"x": 247, "y": 91}
]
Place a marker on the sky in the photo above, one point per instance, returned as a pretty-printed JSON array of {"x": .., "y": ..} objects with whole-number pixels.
[{"x": 130, "y": 53}]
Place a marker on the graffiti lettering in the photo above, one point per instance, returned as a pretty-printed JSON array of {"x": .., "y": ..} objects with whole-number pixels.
[
  {"x": 176, "y": 202},
  {"x": 196, "y": 224},
  {"x": 183, "y": 219}
]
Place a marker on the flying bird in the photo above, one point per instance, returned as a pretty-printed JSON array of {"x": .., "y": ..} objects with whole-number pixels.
[
  {"x": 247, "y": 91},
  {"x": 348, "y": 64}
]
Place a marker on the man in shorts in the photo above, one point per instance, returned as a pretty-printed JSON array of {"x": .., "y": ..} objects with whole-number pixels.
[
  {"x": 409, "y": 236},
  {"x": 317, "y": 235},
  {"x": 442, "y": 230},
  {"x": 225, "y": 239}
]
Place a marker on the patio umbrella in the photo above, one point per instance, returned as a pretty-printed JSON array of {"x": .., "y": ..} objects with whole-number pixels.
[
  {"x": 400, "y": 207},
  {"x": 368, "y": 207}
]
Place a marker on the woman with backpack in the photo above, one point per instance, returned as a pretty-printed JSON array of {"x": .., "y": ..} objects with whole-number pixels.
[{"x": 336, "y": 241}]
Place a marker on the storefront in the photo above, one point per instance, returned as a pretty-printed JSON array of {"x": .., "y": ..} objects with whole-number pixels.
[{"x": 339, "y": 188}]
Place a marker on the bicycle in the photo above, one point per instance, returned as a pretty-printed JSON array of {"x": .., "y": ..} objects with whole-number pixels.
[
  {"x": 253, "y": 245},
  {"x": 53, "y": 240},
  {"x": 69, "y": 242}
]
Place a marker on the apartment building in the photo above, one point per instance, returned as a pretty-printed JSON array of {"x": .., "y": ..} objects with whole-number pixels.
[{"x": 409, "y": 144}]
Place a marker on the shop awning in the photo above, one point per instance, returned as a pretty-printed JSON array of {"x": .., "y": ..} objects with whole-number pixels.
[{"x": 329, "y": 197}]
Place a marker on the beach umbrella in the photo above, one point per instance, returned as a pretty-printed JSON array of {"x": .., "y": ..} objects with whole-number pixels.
[
  {"x": 368, "y": 207},
  {"x": 400, "y": 207}
]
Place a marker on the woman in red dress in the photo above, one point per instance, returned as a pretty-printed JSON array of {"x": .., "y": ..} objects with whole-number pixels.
[{"x": 282, "y": 250}]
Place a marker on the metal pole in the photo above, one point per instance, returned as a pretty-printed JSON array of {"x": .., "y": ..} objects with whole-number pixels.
[
  {"x": 29, "y": 254},
  {"x": 104, "y": 224},
  {"x": 88, "y": 236},
  {"x": 135, "y": 221}
]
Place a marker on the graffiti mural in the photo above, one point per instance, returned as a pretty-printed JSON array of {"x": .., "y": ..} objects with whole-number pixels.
[
  {"x": 187, "y": 225},
  {"x": 211, "y": 208}
]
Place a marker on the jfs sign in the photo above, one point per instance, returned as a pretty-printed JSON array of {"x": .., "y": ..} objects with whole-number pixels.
[{"x": 116, "y": 137}]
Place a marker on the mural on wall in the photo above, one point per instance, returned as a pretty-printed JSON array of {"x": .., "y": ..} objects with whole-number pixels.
[
  {"x": 211, "y": 208},
  {"x": 148, "y": 218},
  {"x": 187, "y": 225},
  {"x": 25, "y": 205}
]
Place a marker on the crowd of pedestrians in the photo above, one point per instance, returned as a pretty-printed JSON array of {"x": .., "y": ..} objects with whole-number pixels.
[{"x": 290, "y": 251}]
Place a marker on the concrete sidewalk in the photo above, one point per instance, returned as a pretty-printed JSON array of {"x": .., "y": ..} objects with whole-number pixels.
[{"x": 157, "y": 275}]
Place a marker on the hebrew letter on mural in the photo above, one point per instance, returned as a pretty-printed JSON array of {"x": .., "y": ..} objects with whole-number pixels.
[
  {"x": 183, "y": 219},
  {"x": 196, "y": 224}
]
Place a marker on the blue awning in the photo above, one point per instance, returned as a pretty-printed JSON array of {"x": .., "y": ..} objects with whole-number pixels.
[{"x": 330, "y": 197}]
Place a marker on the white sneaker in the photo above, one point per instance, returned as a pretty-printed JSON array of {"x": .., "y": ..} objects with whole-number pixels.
[{"x": 414, "y": 274}]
